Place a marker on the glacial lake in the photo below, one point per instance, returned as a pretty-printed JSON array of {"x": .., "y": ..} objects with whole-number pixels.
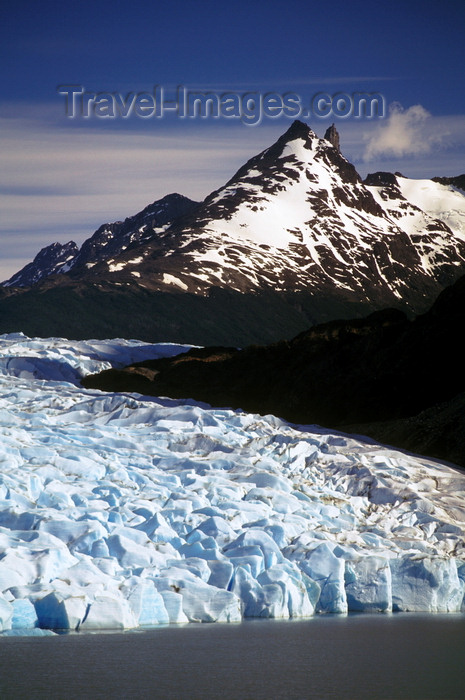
[{"x": 358, "y": 657}]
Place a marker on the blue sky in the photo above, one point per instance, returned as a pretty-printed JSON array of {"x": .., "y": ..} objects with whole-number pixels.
[{"x": 61, "y": 177}]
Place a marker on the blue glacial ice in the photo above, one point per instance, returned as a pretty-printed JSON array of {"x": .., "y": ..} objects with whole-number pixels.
[{"x": 119, "y": 511}]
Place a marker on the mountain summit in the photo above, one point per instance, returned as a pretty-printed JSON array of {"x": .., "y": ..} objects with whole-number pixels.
[{"x": 295, "y": 235}]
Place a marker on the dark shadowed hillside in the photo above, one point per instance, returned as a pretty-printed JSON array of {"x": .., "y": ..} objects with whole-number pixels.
[{"x": 385, "y": 376}]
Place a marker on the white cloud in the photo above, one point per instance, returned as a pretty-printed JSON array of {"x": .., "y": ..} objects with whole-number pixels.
[{"x": 407, "y": 132}]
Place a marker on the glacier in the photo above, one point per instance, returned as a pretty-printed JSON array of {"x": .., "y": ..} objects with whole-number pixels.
[{"x": 119, "y": 511}]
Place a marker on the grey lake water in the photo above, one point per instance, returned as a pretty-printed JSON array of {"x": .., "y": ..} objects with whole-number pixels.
[{"x": 405, "y": 655}]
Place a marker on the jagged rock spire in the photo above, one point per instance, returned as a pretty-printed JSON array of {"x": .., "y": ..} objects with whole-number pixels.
[{"x": 332, "y": 136}]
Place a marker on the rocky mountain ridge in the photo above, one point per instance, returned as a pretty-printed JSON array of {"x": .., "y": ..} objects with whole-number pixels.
[
  {"x": 108, "y": 240},
  {"x": 294, "y": 234}
]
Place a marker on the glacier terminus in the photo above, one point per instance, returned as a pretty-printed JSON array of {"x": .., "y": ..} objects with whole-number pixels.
[{"x": 120, "y": 511}]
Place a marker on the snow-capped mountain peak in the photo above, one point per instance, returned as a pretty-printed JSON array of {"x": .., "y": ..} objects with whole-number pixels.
[
  {"x": 296, "y": 220},
  {"x": 297, "y": 217},
  {"x": 50, "y": 260},
  {"x": 121, "y": 235},
  {"x": 109, "y": 240}
]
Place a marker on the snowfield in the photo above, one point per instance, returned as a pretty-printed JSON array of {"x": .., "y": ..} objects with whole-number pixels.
[{"x": 120, "y": 511}]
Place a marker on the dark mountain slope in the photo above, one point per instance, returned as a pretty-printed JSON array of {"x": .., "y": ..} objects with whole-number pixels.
[
  {"x": 354, "y": 375},
  {"x": 77, "y": 311}
]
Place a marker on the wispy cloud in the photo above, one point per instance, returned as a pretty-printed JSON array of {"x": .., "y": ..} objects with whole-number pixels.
[
  {"x": 351, "y": 80},
  {"x": 59, "y": 183}
]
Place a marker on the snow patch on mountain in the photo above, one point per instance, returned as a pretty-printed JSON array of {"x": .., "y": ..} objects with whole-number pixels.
[
  {"x": 51, "y": 260},
  {"x": 443, "y": 202},
  {"x": 431, "y": 214},
  {"x": 170, "y": 279}
]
